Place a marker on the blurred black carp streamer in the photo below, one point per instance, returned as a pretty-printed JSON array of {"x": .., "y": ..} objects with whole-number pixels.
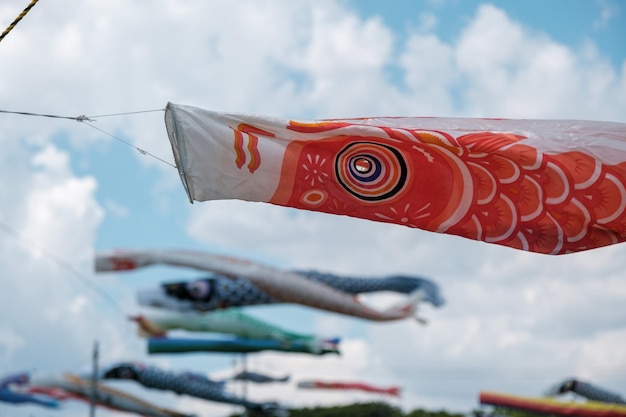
[
  {"x": 254, "y": 283},
  {"x": 258, "y": 378},
  {"x": 218, "y": 292},
  {"x": 587, "y": 390},
  {"x": 185, "y": 383}
]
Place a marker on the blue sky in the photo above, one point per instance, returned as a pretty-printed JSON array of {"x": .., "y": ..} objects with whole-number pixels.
[
  {"x": 570, "y": 23},
  {"x": 514, "y": 321}
]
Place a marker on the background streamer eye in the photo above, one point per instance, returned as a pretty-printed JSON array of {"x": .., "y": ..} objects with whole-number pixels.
[
  {"x": 199, "y": 290},
  {"x": 371, "y": 171}
]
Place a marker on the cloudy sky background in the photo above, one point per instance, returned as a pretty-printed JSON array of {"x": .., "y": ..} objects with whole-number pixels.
[{"x": 514, "y": 322}]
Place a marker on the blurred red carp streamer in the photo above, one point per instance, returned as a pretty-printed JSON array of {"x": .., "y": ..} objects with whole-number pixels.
[
  {"x": 546, "y": 186},
  {"x": 359, "y": 386}
]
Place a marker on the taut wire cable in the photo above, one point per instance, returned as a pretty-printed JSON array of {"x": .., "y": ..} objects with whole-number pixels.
[{"x": 32, "y": 245}]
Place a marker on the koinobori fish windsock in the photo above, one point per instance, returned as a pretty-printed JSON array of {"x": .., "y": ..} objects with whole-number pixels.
[
  {"x": 13, "y": 390},
  {"x": 258, "y": 378},
  {"x": 547, "y": 186},
  {"x": 218, "y": 292},
  {"x": 359, "y": 386},
  {"x": 552, "y": 407},
  {"x": 183, "y": 383},
  {"x": 65, "y": 386},
  {"x": 587, "y": 390},
  {"x": 286, "y": 286},
  {"x": 229, "y": 321},
  {"x": 237, "y": 345}
]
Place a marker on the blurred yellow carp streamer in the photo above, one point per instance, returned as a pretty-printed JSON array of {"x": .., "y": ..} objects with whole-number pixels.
[
  {"x": 546, "y": 186},
  {"x": 552, "y": 407}
]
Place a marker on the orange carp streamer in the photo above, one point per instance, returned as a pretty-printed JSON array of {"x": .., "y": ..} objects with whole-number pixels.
[{"x": 544, "y": 186}]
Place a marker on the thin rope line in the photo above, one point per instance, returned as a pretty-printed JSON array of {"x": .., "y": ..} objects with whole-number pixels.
[
  {"x": 85, "y": 119},
  {"x": 123, "y": 114},
  {"x": 143, "y": 152},
  {"x": 17, "y": 19},
  {"x": 81, "y": 118},
  {"x": 29, "y": 243}
]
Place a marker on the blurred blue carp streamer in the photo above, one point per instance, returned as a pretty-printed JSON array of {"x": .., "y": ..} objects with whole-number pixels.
[{"x": 13, "y": 391}]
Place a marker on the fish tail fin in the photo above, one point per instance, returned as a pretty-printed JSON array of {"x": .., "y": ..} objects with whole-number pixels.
[
  {"x": 146, "y": 327},
  {"x": 120, "y": 260},
  {"x": 417, "y": 297},
  {"x": 407, "y": 308},
  {"x": 333, "y": 341}
]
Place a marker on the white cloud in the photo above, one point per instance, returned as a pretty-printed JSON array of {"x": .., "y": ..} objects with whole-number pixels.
[
  {"x": 602, "y": 354},
  {"x": 514, "y": 72},
  {"x": 117, "y": 209},
  {"x": 10, "y": 341},
  {"x": 49, "y": 220}
]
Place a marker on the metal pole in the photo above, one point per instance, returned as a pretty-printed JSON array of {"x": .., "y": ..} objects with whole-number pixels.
[
  {"x": 94, "y": 379},
  {"x": 245, "y": 381}
]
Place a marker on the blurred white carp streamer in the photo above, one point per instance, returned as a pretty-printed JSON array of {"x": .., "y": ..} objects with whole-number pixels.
[{"x": 547, "y": 186}]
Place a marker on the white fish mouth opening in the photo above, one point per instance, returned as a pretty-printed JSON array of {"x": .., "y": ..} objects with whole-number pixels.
[{"x": 157, "y": 298}]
